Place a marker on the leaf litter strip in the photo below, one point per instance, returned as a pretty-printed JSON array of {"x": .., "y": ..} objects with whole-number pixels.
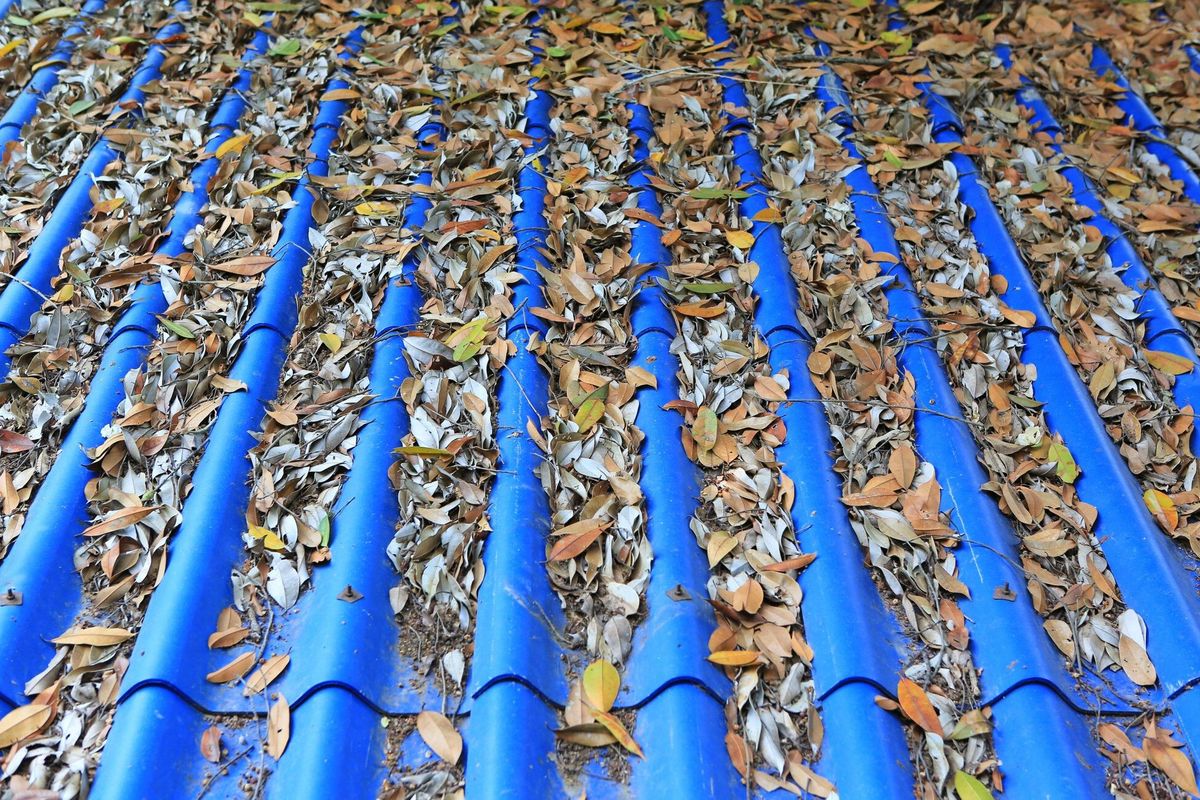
[
  {"x": 47, "y": 380},
  {"x": 1047, "y": 595},
  {"x": 25, "y": 42},
  {"x": 171, "y": 449}
]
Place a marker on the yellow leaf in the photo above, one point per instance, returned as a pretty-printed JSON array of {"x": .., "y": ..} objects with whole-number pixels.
[
  {"x": 1162, "y": 507},
  {"x": 1125, "y": 175},
  {"x": 743, "y": 240},
  {"x": 591, "y": 410},
  {"x": 1169, "y": 362},
  {"x": 619, "y": 733},
  {"x": 768, "y": 215},
  {"x": 376, "y": 208},
  {"x": 601, "y": 684},
  {"x": 53, "y": 13},
  {"x": 332, "y": 341},
  {"x": 440, "y": 734},
  {"x": 8, "y": 48},
  {"x": 968, "y": 787},
  {"x": 705, "y": 429},
  {"x": 22, "y": 722},
  {"x": 734, "y": 658},
  {"x": 235, "y": 144}
]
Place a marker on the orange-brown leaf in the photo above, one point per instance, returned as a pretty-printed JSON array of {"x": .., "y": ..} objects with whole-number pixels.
[{"x": 916, "y": 706}]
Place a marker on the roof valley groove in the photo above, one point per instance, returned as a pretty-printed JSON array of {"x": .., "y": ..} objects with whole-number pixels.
[
  {"x": 1023, "y": 677},
  {"x": 860, "y": 657}
]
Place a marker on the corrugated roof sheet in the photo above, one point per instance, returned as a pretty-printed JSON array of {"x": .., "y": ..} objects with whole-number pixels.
[{"x": 354, "y": 683}]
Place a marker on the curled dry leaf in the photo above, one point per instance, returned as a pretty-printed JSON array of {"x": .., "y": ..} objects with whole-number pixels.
[
  {"x": 587, "y": 734},
  {"x": 233, "y": 670},
  {"x": 614, "y": 726},
  {"x": 210, "y": 744}
]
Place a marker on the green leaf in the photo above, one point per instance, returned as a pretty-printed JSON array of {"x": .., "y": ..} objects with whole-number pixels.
[
  {"x": 712, "y": 193},
  {"x": 706, "y": 429},
  {"x": 968, "y": 787},
  {"x": 893, "y": 159},
  {"x": 1067, "y": 469},
  {"x": 443, "y": 30},
  {"x": 325, "y": 531},
  {"x": 13, "y": 19},
  {"x": 175, "y": 328},
  {"x": 80, "y": 106},
  {"x": 591, "y": 410},
  {"x": 558, "y": 52},
  {"x": 417, "y": 450},
  {"x": 708, "y": 288},
  {"x": 258, "y": 6},
  {"x": 285, "y": 47}
]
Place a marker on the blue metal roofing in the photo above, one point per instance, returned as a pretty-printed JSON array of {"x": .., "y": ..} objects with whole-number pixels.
[{"x": 347, "y": 669}]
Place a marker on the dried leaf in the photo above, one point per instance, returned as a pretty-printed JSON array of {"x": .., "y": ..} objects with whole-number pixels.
[
  {"x": 233, "y": 670},
  {"x": 12, "y": 442},
  {"x": 265, "y": 675},
  {"x": 98, "y": 637},
  {"x": 619, "y": 733},
  {"x": 279, "y": 727},
  {"x": 1172, "y": 761},
  {"x": 576, "y": 538},
  {"x": 440, "y": 734},
  {"x": 210, "y": 744},
  {"x": 916, "y": 706},
  {"x": 23, "y": 722},
  {"x": 1169, "y": 362}
]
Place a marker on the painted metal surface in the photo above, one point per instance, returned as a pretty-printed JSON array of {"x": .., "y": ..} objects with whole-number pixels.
[{"x": 351, "y": 676}]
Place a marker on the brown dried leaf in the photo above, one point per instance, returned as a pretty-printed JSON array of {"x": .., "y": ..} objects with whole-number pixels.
[
  {"x": 916, "y": 706},
  {"x": 440, "y": 734}
]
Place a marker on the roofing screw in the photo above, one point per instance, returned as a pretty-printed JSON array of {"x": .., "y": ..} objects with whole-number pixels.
[{"x": 11, "y": 598}]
